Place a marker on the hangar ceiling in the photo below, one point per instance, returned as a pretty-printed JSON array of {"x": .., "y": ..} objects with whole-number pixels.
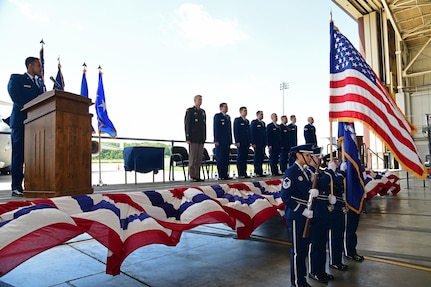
[{"x": 411, "y": 22}]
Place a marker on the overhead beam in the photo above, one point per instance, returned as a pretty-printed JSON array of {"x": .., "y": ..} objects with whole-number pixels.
[
  {"x": 415, "y": 57},
  {"x": 391, "y": 19},
  {"x": 417, "y": 74}
]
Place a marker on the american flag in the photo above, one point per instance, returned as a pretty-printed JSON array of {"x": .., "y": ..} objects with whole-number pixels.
[
  {"x": 356, "y": 93},
  {"x": 123, "y": 222}
]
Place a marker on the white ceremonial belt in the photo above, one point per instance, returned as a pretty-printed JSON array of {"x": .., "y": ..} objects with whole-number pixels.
[
  {"x": 322, "y": 197},
  {"x": 299, "y": 200}
]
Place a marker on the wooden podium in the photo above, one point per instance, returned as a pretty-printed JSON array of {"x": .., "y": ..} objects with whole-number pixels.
[{"x": 57, "y": 145}]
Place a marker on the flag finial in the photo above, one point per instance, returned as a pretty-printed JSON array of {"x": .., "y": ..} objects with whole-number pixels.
[{"x": 42, "y": 42}]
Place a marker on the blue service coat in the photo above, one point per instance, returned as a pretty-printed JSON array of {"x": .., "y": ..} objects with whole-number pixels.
[
  {"x": 310, "y": 134},
  {"x": 222, "y": 129},
  {"x": 22, "y": 90},
  {"x": 258, "y": 132}
]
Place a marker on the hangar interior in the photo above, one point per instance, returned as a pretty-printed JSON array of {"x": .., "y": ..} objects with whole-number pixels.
[{"x": 395, "y": 39}]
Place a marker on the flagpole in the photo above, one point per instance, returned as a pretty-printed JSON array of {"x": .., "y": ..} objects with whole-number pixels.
[
  {"x": 330, "y": 152},
  {"x": 100, "y": 164}
]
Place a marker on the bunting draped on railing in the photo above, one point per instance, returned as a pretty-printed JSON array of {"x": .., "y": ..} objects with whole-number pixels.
[{"x": 123, "y": 222}]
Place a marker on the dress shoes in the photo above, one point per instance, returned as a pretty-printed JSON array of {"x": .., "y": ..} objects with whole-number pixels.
[
  {"x": 244, "y": 176},
  {"x": 225, "y": 178},
  {"x": 320, "y": 278},
  {"x": 356, "y": 257},
  {"x": 341, "y": 266},
  {"x": 305, "y": 285},
  {"x": 329, "y": 276},
  {"x": 197, "y": 179},
  {"x": 17, "y": 193}
]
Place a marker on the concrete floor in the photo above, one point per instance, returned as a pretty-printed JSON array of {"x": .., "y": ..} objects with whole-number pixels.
[{"x": 394, "y": 236}]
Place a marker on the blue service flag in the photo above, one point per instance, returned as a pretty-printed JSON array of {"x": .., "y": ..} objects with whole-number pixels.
[
  {"x": 104, "y": 123},
  {"x": 59, "y": 79},
  {"x": 84, "y": 90},
  {"x": 84, "y": 86},
  {"x": 354, "y": 181}
]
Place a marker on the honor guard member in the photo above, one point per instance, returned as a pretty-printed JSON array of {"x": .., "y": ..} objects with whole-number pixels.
[
  {"x": 273, "y": 141},
  {"x": 323, "y": 206},
  {"x": 222, "y": 140},
  {"x": 284, "y": 145},
  {"x": 310, "y": 132},
  {"x": 22, "y": 89},
  {"x": 296, "y": 192},
  {"x": 258, "y": 142},
  {"x": 350, "y": 236},
  {"x": 241, "y": 131},
  {"x": 195, "y": 128},
  {"x": 292, "y": 136},
  {"x": 337, "y": 216}
]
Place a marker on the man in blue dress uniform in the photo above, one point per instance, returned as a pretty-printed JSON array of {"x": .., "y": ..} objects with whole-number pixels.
[
  {"x": 273, "y": 141},
  {"x": 337, "y": 217},
  {"x": 241, "y": 131},
  {"x": 258, "y": 142},
  {"x": 292, "y": 136},
  {"x": 323, "y": 206},
  {"x": 350, "y": 236},
  {"x": 22, "y": 89},
  {"x": 222, "y": 140},
  {"x": 296, "y": 193},
  {"x": 310, "y": 132},
  {"x": 284, "y": 145}
]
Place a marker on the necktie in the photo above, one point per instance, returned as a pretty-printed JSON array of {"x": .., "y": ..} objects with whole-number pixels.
[{"x": 35, "y": 82}]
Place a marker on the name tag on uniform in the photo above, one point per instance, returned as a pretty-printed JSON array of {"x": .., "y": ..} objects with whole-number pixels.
[
  {"x": 242, "y": 124},
  {"x": 259, "y": 126},
  {"x": 27, "y": 86}
]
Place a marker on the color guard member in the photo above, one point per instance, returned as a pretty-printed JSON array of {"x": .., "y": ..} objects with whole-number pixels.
[{"x": 296, "y": 192}]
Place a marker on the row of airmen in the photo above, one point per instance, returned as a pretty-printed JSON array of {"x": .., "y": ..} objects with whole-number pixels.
[
  {"x": 278, "y": 138},
  {"x": 314, "y": 195}
]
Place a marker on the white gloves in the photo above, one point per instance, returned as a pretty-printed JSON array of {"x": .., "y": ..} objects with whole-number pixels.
[
  {"x": 343, "y": 166},
  {"x": 332, "y": 166},
  {"x": 313, "y": 192},
  {"x": 308, "y": 213},
  {"x": 332, "y": 199}
]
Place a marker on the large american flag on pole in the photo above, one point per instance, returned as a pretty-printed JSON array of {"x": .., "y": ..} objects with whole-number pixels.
[{"x": 356, "y": 93}]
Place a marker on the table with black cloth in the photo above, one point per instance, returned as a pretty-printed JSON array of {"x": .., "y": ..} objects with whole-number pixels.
[{"x": 144, "y": 159}]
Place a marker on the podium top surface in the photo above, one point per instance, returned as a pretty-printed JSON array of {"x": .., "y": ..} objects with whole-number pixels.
[{"x": 57, "y": 94}]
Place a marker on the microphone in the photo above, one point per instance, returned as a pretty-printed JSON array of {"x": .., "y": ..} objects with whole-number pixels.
[{"x": 57, "y": 86}]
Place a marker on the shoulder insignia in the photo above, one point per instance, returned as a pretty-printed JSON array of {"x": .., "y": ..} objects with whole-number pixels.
[{"x": 287, "y": 183}]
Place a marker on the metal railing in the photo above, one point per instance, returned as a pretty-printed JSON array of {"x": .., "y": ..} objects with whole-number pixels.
[{"x": 373, "y": 153}]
